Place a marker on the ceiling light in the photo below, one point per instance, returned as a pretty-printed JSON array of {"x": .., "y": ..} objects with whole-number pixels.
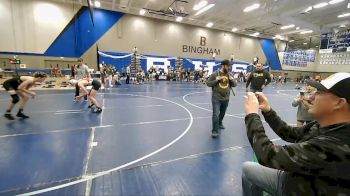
[
  {"x": 142, "y": 12},
  {"x": 305, "y": 43},
  {"x": 308, "y": 9},
  {"x": 251, "y": 8},
  {"x": 342, "y": 26},
  {"x": 291, "y": 40},
  {"x": 97, "y": 4},
  {"x": 306, "y": 32},
  {"x": 179, "y": 19},
  {"x": 320, "y": 5},
  {"x": 297, "y": 28},
  {"x": 206, "y": 8},
  {"x": 234, "y": 29},
  {"x": 255, "y": 34},
  {"x": 335, "y": 1},
  {"x": 200, "y": 5},
  {"x": 287, "y": 26},
  {"x": 210, "y": 24},
  {"x": 344, "y": 15},
  {"x": 348, "y": 5},
  {"x": 279, "y": 37},
  {"x": 316, "y": 46}
]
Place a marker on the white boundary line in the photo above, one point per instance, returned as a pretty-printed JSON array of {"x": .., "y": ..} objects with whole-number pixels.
[
  {"x": 53, "y": 131},
  {"x": 84, "y": 110},
  {"x": 104, "y": 126},
  {"x": 184, "y": 98},
  {"x": 162, "y": 121},
  {"x": 232, "y": 148},
  {"x": 99, "y": 174},
  {"x": 89, "y": 154}
]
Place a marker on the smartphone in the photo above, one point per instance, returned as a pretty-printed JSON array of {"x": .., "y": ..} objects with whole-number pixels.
[{"x": 302, "y": 93}]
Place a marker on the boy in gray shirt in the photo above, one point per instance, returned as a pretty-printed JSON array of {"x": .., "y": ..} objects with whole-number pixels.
[
  {"x": 301, "y": 101},
  {"x": 82, "y": 72}
]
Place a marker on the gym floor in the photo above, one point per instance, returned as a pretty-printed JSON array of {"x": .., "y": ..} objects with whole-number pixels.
[{"x": 151, "y": 139}]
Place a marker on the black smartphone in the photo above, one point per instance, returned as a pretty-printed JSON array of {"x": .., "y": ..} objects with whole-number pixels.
[
  {"x": 257, "y": 96},
  {"x": 302, "y": 93}
]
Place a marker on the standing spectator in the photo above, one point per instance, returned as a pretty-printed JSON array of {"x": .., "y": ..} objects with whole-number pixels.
[
  {"x": 303, "y": 104},
  {"x": 123, "y": 72},
  {"x": 109, "y": 75},
  {"x": 258, "y": 79},
  {"x": 221, "y": 83},
  {"x": 188, "y": 74},
  {"x": 127, "y": 81},
  {"x": 241, "y": 76},
  {"x": 82, "y": 72},
  {"x": 72, "y": 69}
]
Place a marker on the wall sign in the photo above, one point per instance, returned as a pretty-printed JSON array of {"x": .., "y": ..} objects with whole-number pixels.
[{"x": 201, "y": 49}]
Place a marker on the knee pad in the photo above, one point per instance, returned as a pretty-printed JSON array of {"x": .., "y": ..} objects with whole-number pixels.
[{"x": 15, "y": 98}]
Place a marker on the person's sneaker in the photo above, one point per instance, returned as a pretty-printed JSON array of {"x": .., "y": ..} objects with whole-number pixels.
[
  {"x": 21, "y": 115},
  {"x": 214, "y": 134},
  {"x": 9, "y": 116},
  {"x": 90, "y": 106},
  {"x": 98, "y": 110},
  {"x": 221, "y": 126}
]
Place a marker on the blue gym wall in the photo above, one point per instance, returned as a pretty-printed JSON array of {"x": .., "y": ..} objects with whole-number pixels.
[
  {"x": 271, "y": 53},
  {"x": 81, "y": 34}
]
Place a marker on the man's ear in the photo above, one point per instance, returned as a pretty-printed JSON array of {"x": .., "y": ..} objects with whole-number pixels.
[{"x": 341, "y": 103}]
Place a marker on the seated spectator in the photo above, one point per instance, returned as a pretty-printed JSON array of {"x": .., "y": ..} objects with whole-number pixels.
[{"x": 316, "y": 162}]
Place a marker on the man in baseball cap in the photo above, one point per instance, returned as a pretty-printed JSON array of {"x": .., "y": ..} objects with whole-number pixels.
[
  {"x": 337, "y": 84},
  {"x": 317, "y": 159},
  {"x": 220, "y": 82}
]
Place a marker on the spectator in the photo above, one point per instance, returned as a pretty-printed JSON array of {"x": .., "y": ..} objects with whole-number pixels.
[
  {"x": 316, "y": 162},
  {"x": 303, "y": 104}
]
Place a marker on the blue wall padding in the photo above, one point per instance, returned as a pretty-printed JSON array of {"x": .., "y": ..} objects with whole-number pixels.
[
  {"x": 271, "y": 53},
  {"x": 81, "y": 34}
]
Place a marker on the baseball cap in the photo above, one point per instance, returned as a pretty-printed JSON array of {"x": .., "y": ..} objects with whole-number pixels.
[
  {"x": 226, "y": 62},
  {"x": 337, "y": 84}
]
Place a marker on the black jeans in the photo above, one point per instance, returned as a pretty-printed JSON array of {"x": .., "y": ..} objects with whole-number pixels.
[
  {"x": 219, "y": 110},
  {"x": 127, "y": 81}
]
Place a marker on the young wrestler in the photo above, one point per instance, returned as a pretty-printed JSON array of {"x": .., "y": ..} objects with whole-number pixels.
[
  {"x": 96, "y": 85},
  {"x": 19, "y": 87}
]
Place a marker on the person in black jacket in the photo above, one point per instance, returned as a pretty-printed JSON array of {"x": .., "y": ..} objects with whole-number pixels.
[
  {"x": 221, "y": 82},
  {"x": 317, "y": 160},
  {"x": 258, "y": 79}
]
